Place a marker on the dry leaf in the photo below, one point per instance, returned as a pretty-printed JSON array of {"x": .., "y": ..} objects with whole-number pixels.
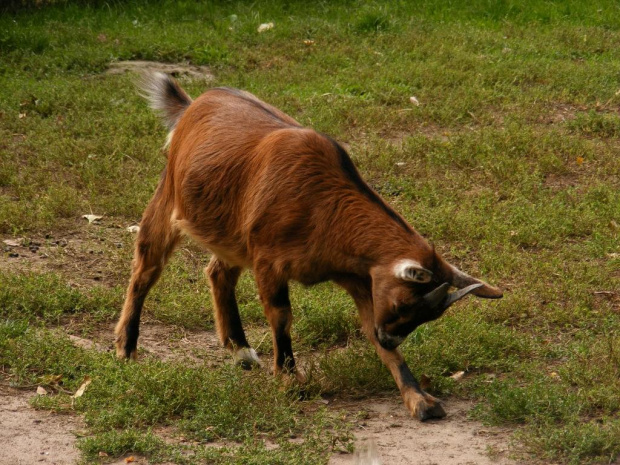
[
  {"x": 458, "y": 375},
  {"x": 265, "y": 27},
  {"x": 554, "y": 375},
  {"x": 130, "y": 459},
  {"x": 133, "y": 229},
  {"x": 579, "y": 161},
  {"x": 41, "y": 391},
  {"x": 13, "y": 243},
  {"x": 425, "y": 382},
  {"x": 102, "y": 454},
  {"x": 308, "y": 42},
  {"x": 92, "y": 218},
  {"x": 415, "y": 101},
  {"x": 82, "y": 388},
  {"x": 22, "y": 115},
  {"x": 614, "y": 226}
]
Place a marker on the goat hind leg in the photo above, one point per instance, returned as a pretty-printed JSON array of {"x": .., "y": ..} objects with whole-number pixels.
[
  {"x": 223, "y": 280},
  {"x": 155, "y": 243}
]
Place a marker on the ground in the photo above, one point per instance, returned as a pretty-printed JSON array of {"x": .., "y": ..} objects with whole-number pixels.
[
  {"x": 382, "y": 428},
  {"x": 492, "y": 127}
]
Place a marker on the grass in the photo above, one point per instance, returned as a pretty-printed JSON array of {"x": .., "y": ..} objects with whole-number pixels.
[{"x": 509, "y": 165}]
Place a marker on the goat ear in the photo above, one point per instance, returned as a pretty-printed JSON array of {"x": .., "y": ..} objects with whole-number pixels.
[
  {"x": 461, "y": 280},
  {"x": 412, "y": 271}
]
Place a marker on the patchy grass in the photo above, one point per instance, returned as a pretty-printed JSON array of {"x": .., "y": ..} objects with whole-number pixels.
[{"x": 509, "y": 164}]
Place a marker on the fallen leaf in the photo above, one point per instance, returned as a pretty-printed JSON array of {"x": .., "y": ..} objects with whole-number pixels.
[
  {"x": 265, "y": 27},
  {"x": 130, "y": 459},
  {"x": 22, "y": 115},
  {"x": 613, "y": 255},
  {"x": 425, "y": 382},
  {"x": 102, "y": 454},
  {"x": 614, "y": 226},
  {"x": 13, "y": 242},
  {"x": 414, "y": 100},
  {"x": 554, "y": 375},
  {"x": 133, "y": 229},
  {"x": 82, "y": 388},
  {"x": 458, "y": 375},
  {"x": 41, "y": 391},
  {"x": 308, "y": 42},
  {"x": 92, "y": 218},
  {"x": 579, "y": 161}
]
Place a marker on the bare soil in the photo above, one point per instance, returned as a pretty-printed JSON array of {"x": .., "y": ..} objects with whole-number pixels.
[
  {"x": 388, "y": 435},
  {"x": 385, "y": 434},
  {"x": 175, "y": 69},
  {"x": 165, "y": 342},
  {"x": 30, "y": 436}
]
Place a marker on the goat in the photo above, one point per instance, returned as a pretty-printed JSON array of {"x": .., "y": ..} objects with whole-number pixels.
[{"x": 260, "y": 191}]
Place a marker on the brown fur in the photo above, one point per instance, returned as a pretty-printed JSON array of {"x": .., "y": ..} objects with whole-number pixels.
[{"x": 261, "y": 192}]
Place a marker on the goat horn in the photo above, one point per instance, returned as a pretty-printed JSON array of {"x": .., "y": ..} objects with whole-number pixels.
[
  {"x": 437, "y": 295},
  {"x": 454, "y": 296}
]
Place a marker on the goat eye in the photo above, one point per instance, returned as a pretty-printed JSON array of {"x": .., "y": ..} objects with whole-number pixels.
[{"x": 401, "y": 309}]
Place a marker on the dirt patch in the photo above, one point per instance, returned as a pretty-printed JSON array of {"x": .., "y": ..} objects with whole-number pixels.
[
  {"x": 558, "y": 182},
  {"x": 165, "y": 342},
  {"x": 560, "y": 113},
  {"x": 30, "y": 436},
  {"x": 174, "y": 69},
  {"x": 386, "y": 434},
  {"x": 177, "y": 344},
  {"x": 87, "y": 256}
]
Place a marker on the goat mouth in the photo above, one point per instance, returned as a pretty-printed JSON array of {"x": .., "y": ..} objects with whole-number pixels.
[{"x": 388, "y": 341}]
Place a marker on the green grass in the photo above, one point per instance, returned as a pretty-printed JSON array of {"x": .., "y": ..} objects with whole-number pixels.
[{"x": 510, "y": 165}]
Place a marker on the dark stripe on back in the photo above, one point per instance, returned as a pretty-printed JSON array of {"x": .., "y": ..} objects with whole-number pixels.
[
  {"x": 354, "y": 176},
  {"x": 256, "y": 103}
]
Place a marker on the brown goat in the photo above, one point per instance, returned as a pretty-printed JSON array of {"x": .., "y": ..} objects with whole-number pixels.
[{"x": 262, "y": 192}]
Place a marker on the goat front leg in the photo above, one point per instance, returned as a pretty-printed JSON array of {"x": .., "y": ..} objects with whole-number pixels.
[
  {"x": 421, "y": 404},
  {"x": 275, "y": 300}
]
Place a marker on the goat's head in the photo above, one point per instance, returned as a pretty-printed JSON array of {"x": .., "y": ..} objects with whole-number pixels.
[{"x": 407, "y": 294}]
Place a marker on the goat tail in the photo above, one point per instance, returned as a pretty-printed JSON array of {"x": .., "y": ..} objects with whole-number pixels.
[{"x": 165, "y": 96}]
